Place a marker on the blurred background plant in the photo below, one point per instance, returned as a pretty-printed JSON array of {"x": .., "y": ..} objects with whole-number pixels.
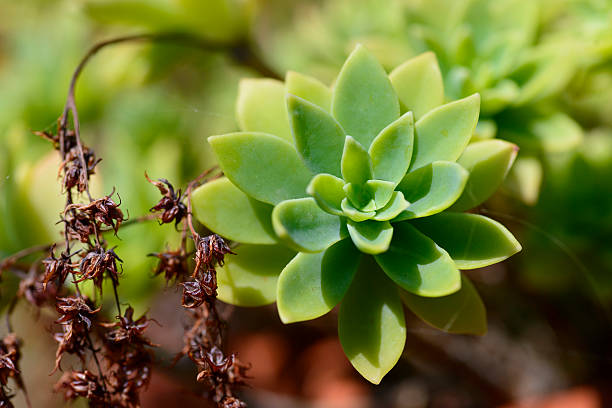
[{"x": 544, "y": 69}]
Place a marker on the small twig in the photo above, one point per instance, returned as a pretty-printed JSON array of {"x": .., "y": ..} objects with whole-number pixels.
[
  {"x": 95, "y": 356},
  {"x": 12, "y": 259},
  {"x": 116, "y": 297}
]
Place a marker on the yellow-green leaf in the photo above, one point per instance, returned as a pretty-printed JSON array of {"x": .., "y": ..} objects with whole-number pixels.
[
  {"x": 371, "y": 324},
  {"x": 226, "y": 210}
]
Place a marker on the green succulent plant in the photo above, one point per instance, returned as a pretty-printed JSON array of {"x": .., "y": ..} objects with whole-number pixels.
[{"x": 353, "y": 195}]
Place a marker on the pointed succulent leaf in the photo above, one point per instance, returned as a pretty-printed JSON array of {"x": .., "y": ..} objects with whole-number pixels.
[
  {"x": 353, "y": 213},
  {"x": 249, "y": 278},
  {"x": 363, "y": 100},
  {"x": 380, "y": 191},
  {"x": 371, "y": 324},
  {"x": 394, "y": 207},
  {"x": 312, "y": 284},
  {"x": 264, "y": 166},
  {"x": 488, "y": 163},
  {"x": 418, "y": 265},
  {"x": 224, "y": 209},
  {"x": 261, "y": 107},
  {"x": 418, "y": 83},
  {"x": 306, "y": 227},
  {"x": 473, "y": 241},
  {"x": 356, "y": 164},
  {"x": 432, "y": 188},
  {"x": 443, "y": 132},
  {"x": 462, "y": 312},
  {"x": 328, "y": 191},
  {"x": 370, "y": 237},
  {"x": 359, "y": 196},
  {"x": 308, "y": 88},
  {"x": 392, "y": 149},
  {"x": 319, "y": 139}
]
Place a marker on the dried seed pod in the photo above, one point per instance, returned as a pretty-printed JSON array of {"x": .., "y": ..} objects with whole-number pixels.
[
  {"x": 56, "y": 268},
  {"x": 73, "y": 170},
  {"x": 75, "y": 384},
  {"x": 126, "y": 329},
  {"x": 96, "y": 262},
  {"x": 103, "y": 211},
  {"x": 210, "y": 250},
  {"x": 170, "y": 204},
  {"x": 194, "y": 294},
  {"x": 173, "y": 264},
  {"x": 79, "y": 226}
]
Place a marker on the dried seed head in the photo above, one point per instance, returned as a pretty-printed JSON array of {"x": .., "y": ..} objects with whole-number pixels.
[
  {"x": 128, "y": 330},
  {"x": 210, "y": 250},
  {"x": 102, "y": 211},
  {"x": 170, "y": 204},
  {"x": 9, "y": 358},
  {"x": 76, "y": 317},
  {"x": 77, "y": 312},
  {"x": 56, "y": 268},
  {"x": 75, "y": 384},
  {"x": 96, "y": 262},
  {"x": 194, "y": 294},
  {"x": 9, "y": 368},
  {"x": 173, "y": 264},
  {"x": 79, "y": 226},
  {"x": 73, "y": 170}
]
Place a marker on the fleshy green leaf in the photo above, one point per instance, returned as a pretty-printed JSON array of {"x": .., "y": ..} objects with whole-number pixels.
[
  {"x": 488, "y": 162},
  {"x": 319, "y": 139},
  {"x": 418, "y": 265},
  {"x": 443, "y": 133},
  {"x": 264, "y": 166},
  {"x": 261, "y": 107},
  {"x": 392, "y": 149},
  {"x": 462, "y": 312},
  {"x": 308, "y": 88},
  {"x": 432, "y": 188},
  {"x": 371, "y": 324},
  {"x": 226, "y": 210},
  {"x": 312, "y": 284},
  {"x": 394, "y": 207},
  {"x": 473, "y": 241},
  {"x": 364, "y": 101},
  {"x": 303, "y": 225},
  {"x": 359, "y": 197},
  {"x": 328, "y": 191},
  {"x": 380, "y": 191},
  {"x": 418, "y": 83},
  {"x": 249, "y": 278},
  {"x": 356, "y": 164},
  {"x": 370, "y": 237},
  {"x": 353, "y": 213}
]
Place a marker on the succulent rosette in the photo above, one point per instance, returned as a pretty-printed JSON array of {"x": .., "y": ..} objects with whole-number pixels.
[{"x": 354, "y": 196}]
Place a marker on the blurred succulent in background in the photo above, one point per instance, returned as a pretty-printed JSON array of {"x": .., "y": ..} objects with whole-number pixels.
[
  {"x": 515, "y": 53},
  {"x": 354, "y": 195}
]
